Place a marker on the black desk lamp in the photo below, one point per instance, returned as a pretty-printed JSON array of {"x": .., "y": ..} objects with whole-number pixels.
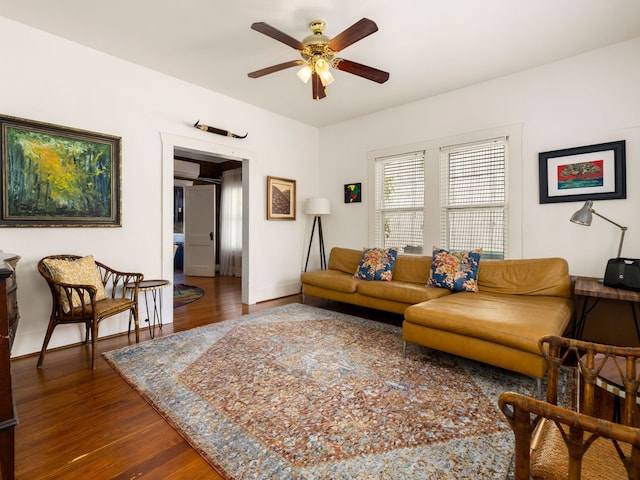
[{"x": 620, "y": 272}]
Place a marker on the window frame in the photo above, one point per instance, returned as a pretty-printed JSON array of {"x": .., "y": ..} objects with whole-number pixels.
[
  {"x": 381, "y": 211},
  {"x": 431, "y": 216},
  {"x": 447, "y": 206}
]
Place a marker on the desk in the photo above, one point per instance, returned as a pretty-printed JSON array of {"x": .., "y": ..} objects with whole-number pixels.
[
  {"x": 593, "y": 290},
  {"x": 153, "y": 286}
]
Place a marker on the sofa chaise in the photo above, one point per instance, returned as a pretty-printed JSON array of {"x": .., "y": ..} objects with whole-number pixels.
[{"x": 518, "y": 302}]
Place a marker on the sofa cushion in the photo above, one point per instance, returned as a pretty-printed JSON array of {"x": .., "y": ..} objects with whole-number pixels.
[
  {"x": 514, "y": 320},
  {"x": 344, "y": 259},
  {"x": 539, "y": 276},
  {"x": 404, "y": 292},
  {"x": 457, "y": 271},
  {"x": 331, "y": 279},
  {"x": 412, "y": 268},
  {"x": 377, "y": 264}
]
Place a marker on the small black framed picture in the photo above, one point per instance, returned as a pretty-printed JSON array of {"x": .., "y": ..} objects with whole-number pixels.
[{"x": 352, "y": 193}]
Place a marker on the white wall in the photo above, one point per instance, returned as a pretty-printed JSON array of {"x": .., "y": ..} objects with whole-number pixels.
[
  {"x": 49, "y": 79},
  {"x": 585, "y": 100}
]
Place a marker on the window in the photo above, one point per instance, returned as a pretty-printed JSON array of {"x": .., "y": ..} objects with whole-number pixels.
[
  {"x": 460, "y": 196},
  {"x": 473, "y": 198},
  {"x": 399, "y": 203}
]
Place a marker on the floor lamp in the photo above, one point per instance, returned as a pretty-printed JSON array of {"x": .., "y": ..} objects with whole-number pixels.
[{"x": 317, "y": 207}]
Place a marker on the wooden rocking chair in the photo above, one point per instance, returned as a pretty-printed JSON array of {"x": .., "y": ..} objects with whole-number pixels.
[
  {"x": 557, "y": 442},
  {"x": 86, "y": 291}
]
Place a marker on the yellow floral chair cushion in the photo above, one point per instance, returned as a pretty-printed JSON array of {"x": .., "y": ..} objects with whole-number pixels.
[{"x": 82, "y": 271}]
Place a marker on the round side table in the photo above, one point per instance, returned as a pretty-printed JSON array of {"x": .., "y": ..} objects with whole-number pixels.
[{"x": 153, "y": 287}]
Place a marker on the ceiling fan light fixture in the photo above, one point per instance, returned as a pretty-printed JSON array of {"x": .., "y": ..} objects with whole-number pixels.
[
  {"x": 325, "y": 77},
  {"x": 322, "y": 69},
  {"x": 322, "y": 66},
  {"x": 305, "y": 72}
]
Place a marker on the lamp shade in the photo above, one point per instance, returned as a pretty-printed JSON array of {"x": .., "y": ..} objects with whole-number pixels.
[
  {"x": 317, "y": 206},
  {"x": 304, "y": 73},
  {"x": 583, "y": 216}
]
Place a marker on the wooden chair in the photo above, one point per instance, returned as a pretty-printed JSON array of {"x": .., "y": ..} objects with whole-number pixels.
[
  {"x": 570, "y": 441},
  {"x": 88, "y": 302}
]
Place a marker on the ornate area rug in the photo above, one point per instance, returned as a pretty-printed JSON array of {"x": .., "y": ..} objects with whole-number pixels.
[
  {"x": 299, "y": 392},
  {"x": 183, "y": 294}
]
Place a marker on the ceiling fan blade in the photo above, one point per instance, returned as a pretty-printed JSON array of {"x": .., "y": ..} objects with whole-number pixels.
[
  {"x": 363, "y": 71},
  {"x": 351, "y": 35},
  {"x": 274, "y": 68},
  {"x": 318, "y": 91},
  {"x": 276, "y": 34}
]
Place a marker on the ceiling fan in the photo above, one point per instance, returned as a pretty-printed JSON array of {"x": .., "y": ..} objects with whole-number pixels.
[{"x": 318, "y": 54}]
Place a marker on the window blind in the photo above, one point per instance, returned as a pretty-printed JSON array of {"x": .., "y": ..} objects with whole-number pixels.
[
  {"x": 399, "y": 203},
  {"x": 473, "y": 197}
]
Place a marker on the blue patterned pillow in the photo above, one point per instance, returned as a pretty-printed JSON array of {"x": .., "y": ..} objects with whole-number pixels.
[
  {"x": 377, "y": 264},
  {"x": 457, "y": 271}
]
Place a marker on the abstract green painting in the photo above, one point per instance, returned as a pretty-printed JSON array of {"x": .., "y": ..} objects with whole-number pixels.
[{"x": 58, "y": 176}]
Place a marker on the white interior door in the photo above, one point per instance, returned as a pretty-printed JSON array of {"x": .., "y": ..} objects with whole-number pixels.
[{"x": 200, "y": 231}]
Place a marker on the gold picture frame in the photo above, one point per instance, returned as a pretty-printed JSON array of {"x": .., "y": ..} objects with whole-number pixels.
[{"x": 281, "y": 199}]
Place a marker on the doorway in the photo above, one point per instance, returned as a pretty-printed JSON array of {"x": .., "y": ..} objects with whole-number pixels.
[
  {"x": 207, "y": 214},
  {"x": 171, "y": 144}
]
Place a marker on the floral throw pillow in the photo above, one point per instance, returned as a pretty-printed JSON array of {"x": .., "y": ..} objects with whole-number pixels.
[
  {"x": 82, "y": 271},
  {"x": 377, "y": 264},
  {"x": 457, "y": 271}
]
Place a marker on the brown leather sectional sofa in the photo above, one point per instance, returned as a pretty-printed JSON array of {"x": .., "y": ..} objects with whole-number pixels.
[{"x": 519, "y": 302}]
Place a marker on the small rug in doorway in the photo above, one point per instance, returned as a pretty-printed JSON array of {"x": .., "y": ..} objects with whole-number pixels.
[
  {"x": 299, "y": 392},
  {"x": 183, "y": 294}
]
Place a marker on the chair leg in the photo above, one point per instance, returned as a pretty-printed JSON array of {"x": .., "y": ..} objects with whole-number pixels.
[
  {"x": 94, "y": 344},
  {"x": 47, "y": 337},
  {"x": 136, "y": 322}
]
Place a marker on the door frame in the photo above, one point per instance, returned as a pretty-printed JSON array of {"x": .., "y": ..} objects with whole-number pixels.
[{"x": 169, "y": 143}]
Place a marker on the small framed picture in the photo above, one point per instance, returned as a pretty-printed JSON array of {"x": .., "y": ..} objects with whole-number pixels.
[
  {"x": 281, "y": 199},
  {"x": 352, "y": 193},
  {"x": 594, "y": 172}
]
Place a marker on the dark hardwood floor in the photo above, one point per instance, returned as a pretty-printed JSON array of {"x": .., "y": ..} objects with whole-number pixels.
[{"x": 78, "y": 423}]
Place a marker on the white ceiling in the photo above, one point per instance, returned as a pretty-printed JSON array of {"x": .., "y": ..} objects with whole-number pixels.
[{"x": 428, "y": 46}]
